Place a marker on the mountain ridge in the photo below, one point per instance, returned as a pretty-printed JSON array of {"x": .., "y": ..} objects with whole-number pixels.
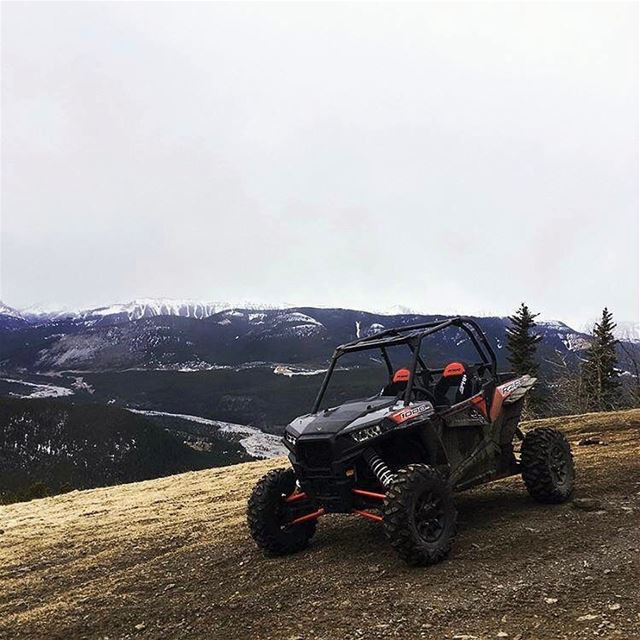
[
  {"x": 114, "y": 339},
  {"x": 200, "y": 309}
]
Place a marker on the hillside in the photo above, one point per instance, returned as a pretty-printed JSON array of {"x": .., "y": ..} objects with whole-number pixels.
[
  {"x": 68, "y": 446},
  {"x": 171, "y": 558}
]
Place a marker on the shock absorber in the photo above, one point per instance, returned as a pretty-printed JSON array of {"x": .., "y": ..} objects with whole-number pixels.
[{"x": 380, "y": 470}]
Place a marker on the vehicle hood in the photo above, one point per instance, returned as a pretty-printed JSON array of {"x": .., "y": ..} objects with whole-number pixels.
[{"x": 351, "y": 414}]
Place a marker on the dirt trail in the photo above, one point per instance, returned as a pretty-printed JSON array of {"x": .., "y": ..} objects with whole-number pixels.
[{"x": 171, "y": 558}]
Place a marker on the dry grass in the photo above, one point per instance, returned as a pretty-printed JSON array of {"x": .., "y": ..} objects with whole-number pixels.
[{"x": 174, "y": 556}]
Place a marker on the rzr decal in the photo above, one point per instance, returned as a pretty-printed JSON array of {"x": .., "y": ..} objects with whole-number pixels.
[
  {"x": 509, "y": 387},
  {"x": 504, "y": 391}
]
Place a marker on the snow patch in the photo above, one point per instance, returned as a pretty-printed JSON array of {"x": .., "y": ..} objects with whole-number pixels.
[
  {"x": 376, "y": 327},
  {"x": 41, "y": 390},
  {"x": 256, "y": 443},
  {"x": 80, "y": 385},
  {"x": 553, "y": 324},
  {"x": 283, "y": 370}
]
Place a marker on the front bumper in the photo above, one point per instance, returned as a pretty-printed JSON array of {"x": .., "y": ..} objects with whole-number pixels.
[{"x": 326, "y": 477}]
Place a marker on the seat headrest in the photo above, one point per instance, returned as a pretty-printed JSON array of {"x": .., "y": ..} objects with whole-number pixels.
[
  {"x": 453, "y": 369},
  {"x": 402, "y": 375}
]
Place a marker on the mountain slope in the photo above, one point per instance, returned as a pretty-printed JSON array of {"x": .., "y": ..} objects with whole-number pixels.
[
  {"x": 78, "y": 446},
  {"x": 231, "y": 337},
  {"x": 171, "y": 558}
]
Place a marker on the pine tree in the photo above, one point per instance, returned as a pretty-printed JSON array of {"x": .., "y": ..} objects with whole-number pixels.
[
  {"x": 522, "y": 342},
  {"x": 600, "y": 380}
]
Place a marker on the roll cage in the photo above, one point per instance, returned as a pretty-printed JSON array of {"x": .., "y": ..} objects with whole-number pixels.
[{"x": 412, "y": 335}]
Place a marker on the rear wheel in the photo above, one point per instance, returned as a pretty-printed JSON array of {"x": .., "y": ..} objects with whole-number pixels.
[
  {"x": 547, "y": 465},
  {"x": 419, "y": 515},
  {"x": 268, "y": 514}
]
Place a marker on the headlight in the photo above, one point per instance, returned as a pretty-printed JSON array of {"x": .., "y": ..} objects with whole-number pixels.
[
  {"x": 290, "y": 438},
  {"x": 367, "y": 433}
]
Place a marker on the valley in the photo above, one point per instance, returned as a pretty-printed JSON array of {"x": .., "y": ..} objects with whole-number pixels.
[{"x": 222, "y": 381}]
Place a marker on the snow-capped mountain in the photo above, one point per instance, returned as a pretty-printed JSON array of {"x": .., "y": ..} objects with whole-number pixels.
[
  {"x": 5, "y": 310},
  {"x": 151, "y": 307},
  {"x": 628, "y": 331},
  {"x": 188, "y": 335},
  {"x": 571, "y": 339},
  {"x": 10, "y": 318},
  {"x": 143, "y": 308}
]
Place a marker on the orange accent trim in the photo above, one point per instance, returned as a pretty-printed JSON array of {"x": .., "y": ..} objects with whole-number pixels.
[
  {"x": 479, "y": 402},
  {"x": 496, "y": 404},
  {"x": 369, "y": 494},
  {"x": 297, "y": 495},
  {"x": 453, "y": 369},
  {"x": 368, "y": 516},
  {"x": 402, "y": 375},
  {"x": 310, "y": 516}
]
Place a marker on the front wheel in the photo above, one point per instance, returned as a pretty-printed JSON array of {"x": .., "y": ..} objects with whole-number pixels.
[
  {"x": 547, "y": 465},
  {"x": 268, "y": 514},
  {"x": 419, "y": 515}
]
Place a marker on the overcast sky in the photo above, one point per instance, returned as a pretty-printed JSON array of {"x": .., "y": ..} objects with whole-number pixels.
[{"x": 445, "y": 157}]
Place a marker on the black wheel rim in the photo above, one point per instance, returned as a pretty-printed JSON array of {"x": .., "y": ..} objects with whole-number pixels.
[
  {"x": 559, "y": 465},
  {"x": 429, "y": 516}
]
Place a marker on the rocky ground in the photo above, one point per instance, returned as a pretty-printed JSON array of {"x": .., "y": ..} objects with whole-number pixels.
[{"x": 171, "y": 558}]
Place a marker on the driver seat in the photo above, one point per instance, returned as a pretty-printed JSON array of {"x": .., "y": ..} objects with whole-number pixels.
[
  {"x": 398, "y": 384},
  {"x": 455, "y": 385}
]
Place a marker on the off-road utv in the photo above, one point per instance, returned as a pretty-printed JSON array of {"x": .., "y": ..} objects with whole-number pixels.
[{"x": 398, "y": 457}]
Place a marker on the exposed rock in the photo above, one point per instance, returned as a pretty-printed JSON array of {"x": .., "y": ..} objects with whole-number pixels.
[
  {"x": 591, "y": 440},
  {"x": 588, "y": 504}
]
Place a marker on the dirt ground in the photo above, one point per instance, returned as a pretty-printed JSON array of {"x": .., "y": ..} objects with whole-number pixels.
[{"x": 171, "y": 558}]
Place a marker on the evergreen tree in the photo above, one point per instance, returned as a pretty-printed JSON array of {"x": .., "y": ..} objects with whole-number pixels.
[
  {"x": 600, "y": 380},
  {"x": 522, "y": 342}
]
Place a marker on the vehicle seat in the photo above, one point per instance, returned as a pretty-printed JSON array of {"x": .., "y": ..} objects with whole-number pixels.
[
  {"x": 398, "y": 384},
  {"x": 455, "y": 385}
]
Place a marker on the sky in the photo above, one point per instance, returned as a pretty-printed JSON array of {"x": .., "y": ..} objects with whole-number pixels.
[{"x": 449, "y": 158}]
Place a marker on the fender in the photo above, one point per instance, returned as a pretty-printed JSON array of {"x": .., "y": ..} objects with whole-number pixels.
[{"x": 510, "y": 392}]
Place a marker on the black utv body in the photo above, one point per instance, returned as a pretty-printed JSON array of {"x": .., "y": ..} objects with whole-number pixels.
[{"x": 398, "y": 457}]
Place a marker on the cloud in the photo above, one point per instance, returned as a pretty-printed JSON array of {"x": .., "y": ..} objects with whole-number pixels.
[{"x": 448, "y": 157}]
